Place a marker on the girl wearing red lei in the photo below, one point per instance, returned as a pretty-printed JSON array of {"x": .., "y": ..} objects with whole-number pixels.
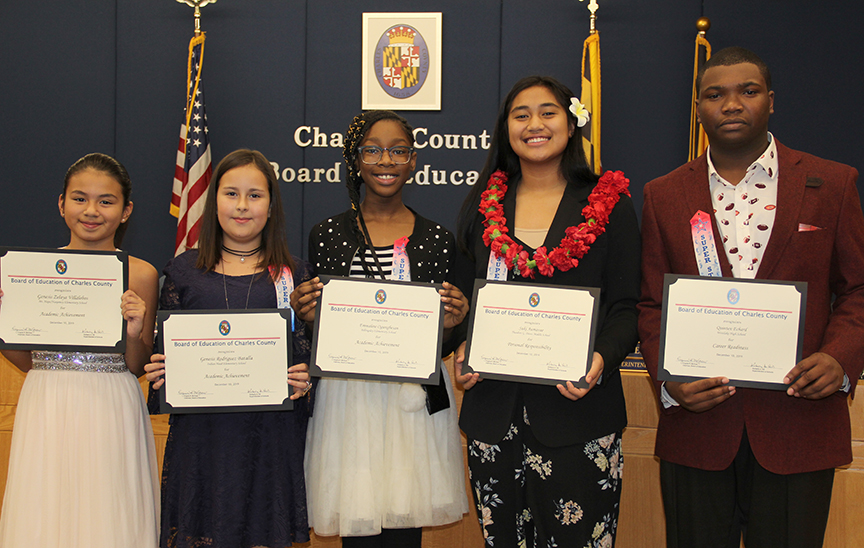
[{"x": 544, "y": 215}]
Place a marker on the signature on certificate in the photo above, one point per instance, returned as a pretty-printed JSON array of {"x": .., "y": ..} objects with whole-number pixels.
[
  {"x": 341, "y": 359},
  {"x": 693, "y": 363}
]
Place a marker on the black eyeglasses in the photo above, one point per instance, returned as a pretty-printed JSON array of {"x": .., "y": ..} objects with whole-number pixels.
[{"x": 372, "y": 154}]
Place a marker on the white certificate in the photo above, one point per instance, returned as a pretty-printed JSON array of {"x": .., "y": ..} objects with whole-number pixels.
[
  {"x": 221, "y": 361},
  {"x": 750, "y": 331},
  {"x": 376, "y": 329},
  {"x": 59, "y": 299},
  {"x": 540, "y": 334}
]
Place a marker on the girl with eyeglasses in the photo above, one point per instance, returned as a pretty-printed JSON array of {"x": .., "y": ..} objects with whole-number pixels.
[{"x": 383, "y": 459}]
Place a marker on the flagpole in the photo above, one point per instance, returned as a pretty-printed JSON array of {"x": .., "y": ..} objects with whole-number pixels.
[
  {"x": 193, "y": 167},
  {"x": 698, "y": 139},
  {"x": 590, "y": 95},
  {"x": 197, "y": 4},
  {"x": 592, "y": 7}
]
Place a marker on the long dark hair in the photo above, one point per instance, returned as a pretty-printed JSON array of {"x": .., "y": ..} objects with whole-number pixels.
[
  {"x": 114, "y": 169},
  {"x": 361, "y": 124},
  {"x": 274, "y": 244},
  {"x": 574, "y": 166}
]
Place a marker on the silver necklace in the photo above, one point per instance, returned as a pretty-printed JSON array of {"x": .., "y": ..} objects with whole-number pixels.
[
  {"x": 241, "y": 254},
  {"x": 225, "y": 287}
]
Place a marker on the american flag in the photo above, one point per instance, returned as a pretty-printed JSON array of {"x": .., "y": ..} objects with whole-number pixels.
[{"x": 194, "y": 167}]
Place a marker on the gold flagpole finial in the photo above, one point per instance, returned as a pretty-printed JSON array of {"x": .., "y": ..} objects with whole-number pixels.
[
  {"x": 197, "y": 4},
  {"x": 592, "y": 7},
  {"x": 702, "y": 25}
]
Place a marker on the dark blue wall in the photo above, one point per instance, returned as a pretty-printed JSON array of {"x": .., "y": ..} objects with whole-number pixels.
[{"x": 108, "y": 75}]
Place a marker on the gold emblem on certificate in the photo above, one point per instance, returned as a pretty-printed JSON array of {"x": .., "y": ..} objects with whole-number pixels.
[{"x": 56, "y": 299}]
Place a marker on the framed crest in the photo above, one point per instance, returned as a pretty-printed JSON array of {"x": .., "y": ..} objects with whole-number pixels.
[{"x": 401, "y": 61}]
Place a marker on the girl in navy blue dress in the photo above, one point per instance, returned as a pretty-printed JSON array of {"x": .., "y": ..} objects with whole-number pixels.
[{"x": 235, "y": 480}]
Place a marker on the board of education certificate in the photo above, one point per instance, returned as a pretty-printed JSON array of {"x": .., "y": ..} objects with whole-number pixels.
[
  {"x": 542, "y": 334},
  {"x": 224, "y": 361},
  {"x": 63, "y": 299},
  {"x": 378, "y": 330},
  {"x": 749, "y": 331}
]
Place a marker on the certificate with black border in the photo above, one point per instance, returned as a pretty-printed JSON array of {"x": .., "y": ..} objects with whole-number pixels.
[
  {"x": 534, "y": 333},
  {"x": 378, "y": 330},
  {"x": 221, "y": 361},
  {"x": 749, "y": 331},
  {"x": 63, "y": 299}
]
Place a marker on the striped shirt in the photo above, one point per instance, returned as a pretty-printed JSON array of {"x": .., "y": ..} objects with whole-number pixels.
[{"x": 385, "y": 257}]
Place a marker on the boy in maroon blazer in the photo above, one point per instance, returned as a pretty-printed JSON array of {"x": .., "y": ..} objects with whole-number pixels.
[{"x": 750, "y": 460}]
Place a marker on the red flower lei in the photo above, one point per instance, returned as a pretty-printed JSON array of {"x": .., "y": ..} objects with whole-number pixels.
[{"x": 573, "y": 246}]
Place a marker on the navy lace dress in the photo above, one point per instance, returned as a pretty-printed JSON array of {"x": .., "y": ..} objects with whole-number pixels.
[{"x": 233, "y": 480}]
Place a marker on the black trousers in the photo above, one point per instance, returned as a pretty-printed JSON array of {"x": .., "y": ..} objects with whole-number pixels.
[
  {"x": 389, "y": 538},
  {"x": 712, "y": 509}
]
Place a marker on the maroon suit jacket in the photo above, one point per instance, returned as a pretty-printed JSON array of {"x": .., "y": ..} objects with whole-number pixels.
[{"x": 787, "y": 434}]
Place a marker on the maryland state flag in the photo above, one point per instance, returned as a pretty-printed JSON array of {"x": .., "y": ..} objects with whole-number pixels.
[
  {"x": 698, "y": 140},
  {"x": 401, "y": 62},
  {"x": 591, "y": 100}
]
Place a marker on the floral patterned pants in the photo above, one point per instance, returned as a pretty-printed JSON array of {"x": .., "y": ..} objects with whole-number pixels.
[{"x": 529, "y": 495}]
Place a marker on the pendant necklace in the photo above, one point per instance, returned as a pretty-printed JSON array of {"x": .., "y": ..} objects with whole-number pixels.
[
  {"x": 241, "y": 254},
  {"x": 225, "y": 287}
]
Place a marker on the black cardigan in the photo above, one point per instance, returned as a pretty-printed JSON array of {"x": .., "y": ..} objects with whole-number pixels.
[
  {"x": 431, "y": 251},
  {"x": 613, "y": 265}
]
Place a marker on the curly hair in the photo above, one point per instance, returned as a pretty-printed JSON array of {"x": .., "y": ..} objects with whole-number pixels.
[{"x": 361, "y": 124}]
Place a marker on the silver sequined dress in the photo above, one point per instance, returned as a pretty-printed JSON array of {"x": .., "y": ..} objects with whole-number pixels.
[{"x": 82, "y": 470}]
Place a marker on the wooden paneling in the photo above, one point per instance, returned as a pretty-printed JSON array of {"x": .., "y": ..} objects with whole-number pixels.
[
  {"x": 11, "y": 380},
  {"x": 640, "y": 524}
]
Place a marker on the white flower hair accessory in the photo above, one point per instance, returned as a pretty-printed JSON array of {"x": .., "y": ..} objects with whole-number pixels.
[{"x": 579, "y": 111}]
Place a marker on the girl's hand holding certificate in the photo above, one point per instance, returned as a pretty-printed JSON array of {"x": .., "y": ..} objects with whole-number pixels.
[
  {"x": 133, "y": 309},
  {"x": 468, "y": 380},
  {"x": 304, "y": 298},
  {"x": 455, "y": 305},
  {"x": 155, "y": 371},
  {"x": 571, "y": 392},
  {"x": 298, "y": 375}
]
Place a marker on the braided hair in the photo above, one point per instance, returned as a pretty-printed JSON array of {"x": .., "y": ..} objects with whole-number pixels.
[{"x": 361, "y": 124}]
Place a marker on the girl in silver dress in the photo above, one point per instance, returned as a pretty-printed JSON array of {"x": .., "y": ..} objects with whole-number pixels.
[{"x": 82, "y": 469}]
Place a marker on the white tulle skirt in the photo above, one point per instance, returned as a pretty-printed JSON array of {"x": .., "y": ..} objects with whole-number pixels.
[
  {"x": 376, "y": 459},
  {"x": 82, "y": 470}
]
